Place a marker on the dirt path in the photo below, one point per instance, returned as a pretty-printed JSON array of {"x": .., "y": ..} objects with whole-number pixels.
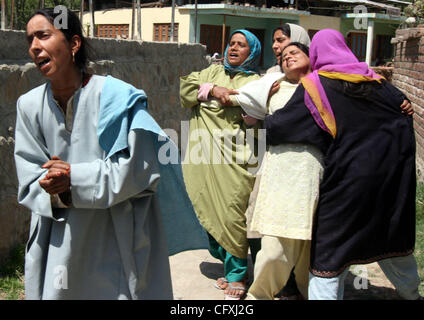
[{"x": 194, "y": 273}]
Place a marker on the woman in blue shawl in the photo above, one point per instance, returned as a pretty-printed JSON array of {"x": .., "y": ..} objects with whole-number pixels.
[
  {"x": 106, "y": 209},
  {"x": 219, "y": 190}
]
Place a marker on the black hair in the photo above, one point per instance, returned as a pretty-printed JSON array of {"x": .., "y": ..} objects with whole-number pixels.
[
  {"x": 73, "y": 28},
  {"x": 285, "y": 29},
  {"x": 301, "y": 46}
]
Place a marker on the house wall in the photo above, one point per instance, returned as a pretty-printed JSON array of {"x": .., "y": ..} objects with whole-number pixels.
[
  {"x": 153, "y": 66},
  {"x": 408, "y": 76},
  {"x": 316, "y": 22},
  {"x": 380, "y": 27},
  {"x": 149, "y": 16}
]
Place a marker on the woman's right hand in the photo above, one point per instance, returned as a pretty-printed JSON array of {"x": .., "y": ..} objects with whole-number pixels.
[{"x": 223, "y": 95}]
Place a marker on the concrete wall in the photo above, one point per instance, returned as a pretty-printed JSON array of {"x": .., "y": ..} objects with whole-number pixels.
[
  {"x": 152, "y": 66},
  {"x": 408, "y": 76}
]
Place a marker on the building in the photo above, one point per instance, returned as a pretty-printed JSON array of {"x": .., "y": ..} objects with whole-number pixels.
[{"x": 367, "y": 26}]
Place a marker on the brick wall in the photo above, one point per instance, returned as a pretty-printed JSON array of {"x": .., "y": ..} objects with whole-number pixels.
[{"x": 408, "y": 76}]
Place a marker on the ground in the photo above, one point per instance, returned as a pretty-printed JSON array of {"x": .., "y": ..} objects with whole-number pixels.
[{"x": 195, "y": 272}]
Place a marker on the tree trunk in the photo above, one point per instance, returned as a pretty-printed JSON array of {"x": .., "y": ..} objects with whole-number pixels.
[
  {"x": 42, "y": 4},
  {"x": 81, "y": 10},
  {"x": 12, "y": 14},
  {"x": 3, "y": 14},
  {"x": 92, "y": 25}
]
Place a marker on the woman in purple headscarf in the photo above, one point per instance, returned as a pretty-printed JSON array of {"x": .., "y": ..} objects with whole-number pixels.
[{"x": 366, "y": 211}]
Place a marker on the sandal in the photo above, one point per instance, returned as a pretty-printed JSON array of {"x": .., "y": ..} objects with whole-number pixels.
[
  {"x": 220, "y": 282},
  {"x": 236, "y": 296}
]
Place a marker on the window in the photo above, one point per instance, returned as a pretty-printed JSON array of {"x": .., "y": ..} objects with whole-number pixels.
[
  {"x": 311, "y": 33},
  {"x": 211, "y": 37},
  {"x": 112, "y": 31},
  {"x": 358, "y": 44},
  {"x": 162, "y": 32}
]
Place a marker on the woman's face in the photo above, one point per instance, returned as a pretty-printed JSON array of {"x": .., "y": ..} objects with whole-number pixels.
[
  {"x": 280, "y": 40},
  {"x": 238, "y": 50},
  {"x": 49, "y": 49},
  {"x": 296, "y": 63}
]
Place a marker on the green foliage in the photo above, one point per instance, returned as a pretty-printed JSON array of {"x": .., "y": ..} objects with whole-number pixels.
[
  {"x": 419, "y": 242},
  {"x": 415, "y": 10},
  {"x": 12, "y": 275},
  {"x": 23, "y": 9}
]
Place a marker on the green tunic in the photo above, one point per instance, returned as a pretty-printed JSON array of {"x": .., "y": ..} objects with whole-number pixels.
[{"x": 218, "y": 186}]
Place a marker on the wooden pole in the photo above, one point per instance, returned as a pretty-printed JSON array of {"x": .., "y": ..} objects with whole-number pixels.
[
  {"x": 172, "y": 20},
  {"x": 139, "y": 19},
  {"x": 133, "y": 20},
  {"x": 195, "y": 21},
  {"x": 92, "y": 25},
  {"x": 223, "y": 38},
  {"x": 82, "y": 4},
  {"x": 12, "y": 14},
  {"x": 3, "y": 14}
]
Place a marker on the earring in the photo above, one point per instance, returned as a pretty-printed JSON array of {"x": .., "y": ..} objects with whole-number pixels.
[{"x": 73, "y": 56}]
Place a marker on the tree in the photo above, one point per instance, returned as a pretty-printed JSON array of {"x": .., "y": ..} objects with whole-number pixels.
[{"x": 3, "y": 14}]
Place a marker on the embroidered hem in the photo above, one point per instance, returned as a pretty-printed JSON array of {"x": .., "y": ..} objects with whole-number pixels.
[{"x": 332, "y": 274}]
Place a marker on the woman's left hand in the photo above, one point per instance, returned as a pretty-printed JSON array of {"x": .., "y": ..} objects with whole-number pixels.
[
  {"x": 248, "y": 120},
  {"x": 406, "y": 107}
]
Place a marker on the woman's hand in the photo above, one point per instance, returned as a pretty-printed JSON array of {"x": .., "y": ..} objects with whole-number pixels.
[
  {"x": 223, "y": 95},
  {"x": 58, "y": 178},
  {"x": 248, "y": 120},
  {"x": 406, "y": 107},
  {"x": 274, "y": 88}
]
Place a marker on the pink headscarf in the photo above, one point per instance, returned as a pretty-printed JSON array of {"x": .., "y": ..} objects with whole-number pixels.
[{"x": 329, "y": 53}]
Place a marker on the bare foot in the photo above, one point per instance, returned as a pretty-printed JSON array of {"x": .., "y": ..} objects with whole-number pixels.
[
  {"x": 236, "y": 290},
  {"x": 222, "y": 283}
]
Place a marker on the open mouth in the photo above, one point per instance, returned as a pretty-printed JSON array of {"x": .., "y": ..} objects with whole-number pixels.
[
  {"x": 290, "y": 62},
  {"x": 43, "y": 62},
  {"x": 233, "y": 55}
]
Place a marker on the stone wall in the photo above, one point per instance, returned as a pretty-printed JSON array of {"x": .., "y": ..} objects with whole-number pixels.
[
  {"x": 408, "y": 76},
  {"x": 154, "y": 67}
]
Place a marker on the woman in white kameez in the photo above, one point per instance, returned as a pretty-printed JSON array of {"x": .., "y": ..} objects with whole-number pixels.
[{"x": 86, "y": 153}]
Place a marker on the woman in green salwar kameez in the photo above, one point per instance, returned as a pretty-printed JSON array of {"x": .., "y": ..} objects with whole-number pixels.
[{"x": 217, "y": 158}]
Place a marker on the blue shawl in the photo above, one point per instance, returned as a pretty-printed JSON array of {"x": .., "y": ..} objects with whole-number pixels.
[{"x": 124, "y": 108}]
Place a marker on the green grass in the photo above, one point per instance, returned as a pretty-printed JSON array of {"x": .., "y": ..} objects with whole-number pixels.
[
  {"x": 12, "y": 275},
  {"x": 419, "y": 242}
]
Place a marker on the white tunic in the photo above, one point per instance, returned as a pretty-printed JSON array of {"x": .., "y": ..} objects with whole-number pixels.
[{"x": 289, "y": 184}]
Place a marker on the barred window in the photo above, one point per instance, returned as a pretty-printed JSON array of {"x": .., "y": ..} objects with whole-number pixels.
[
  {"x": 162, "y": 32},
  {"x": 112, "y": 31}
]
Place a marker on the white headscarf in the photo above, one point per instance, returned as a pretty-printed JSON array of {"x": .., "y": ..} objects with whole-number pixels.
[
  {"x": 298, "y": 34},
  {"x": 253, "y": 96}
]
